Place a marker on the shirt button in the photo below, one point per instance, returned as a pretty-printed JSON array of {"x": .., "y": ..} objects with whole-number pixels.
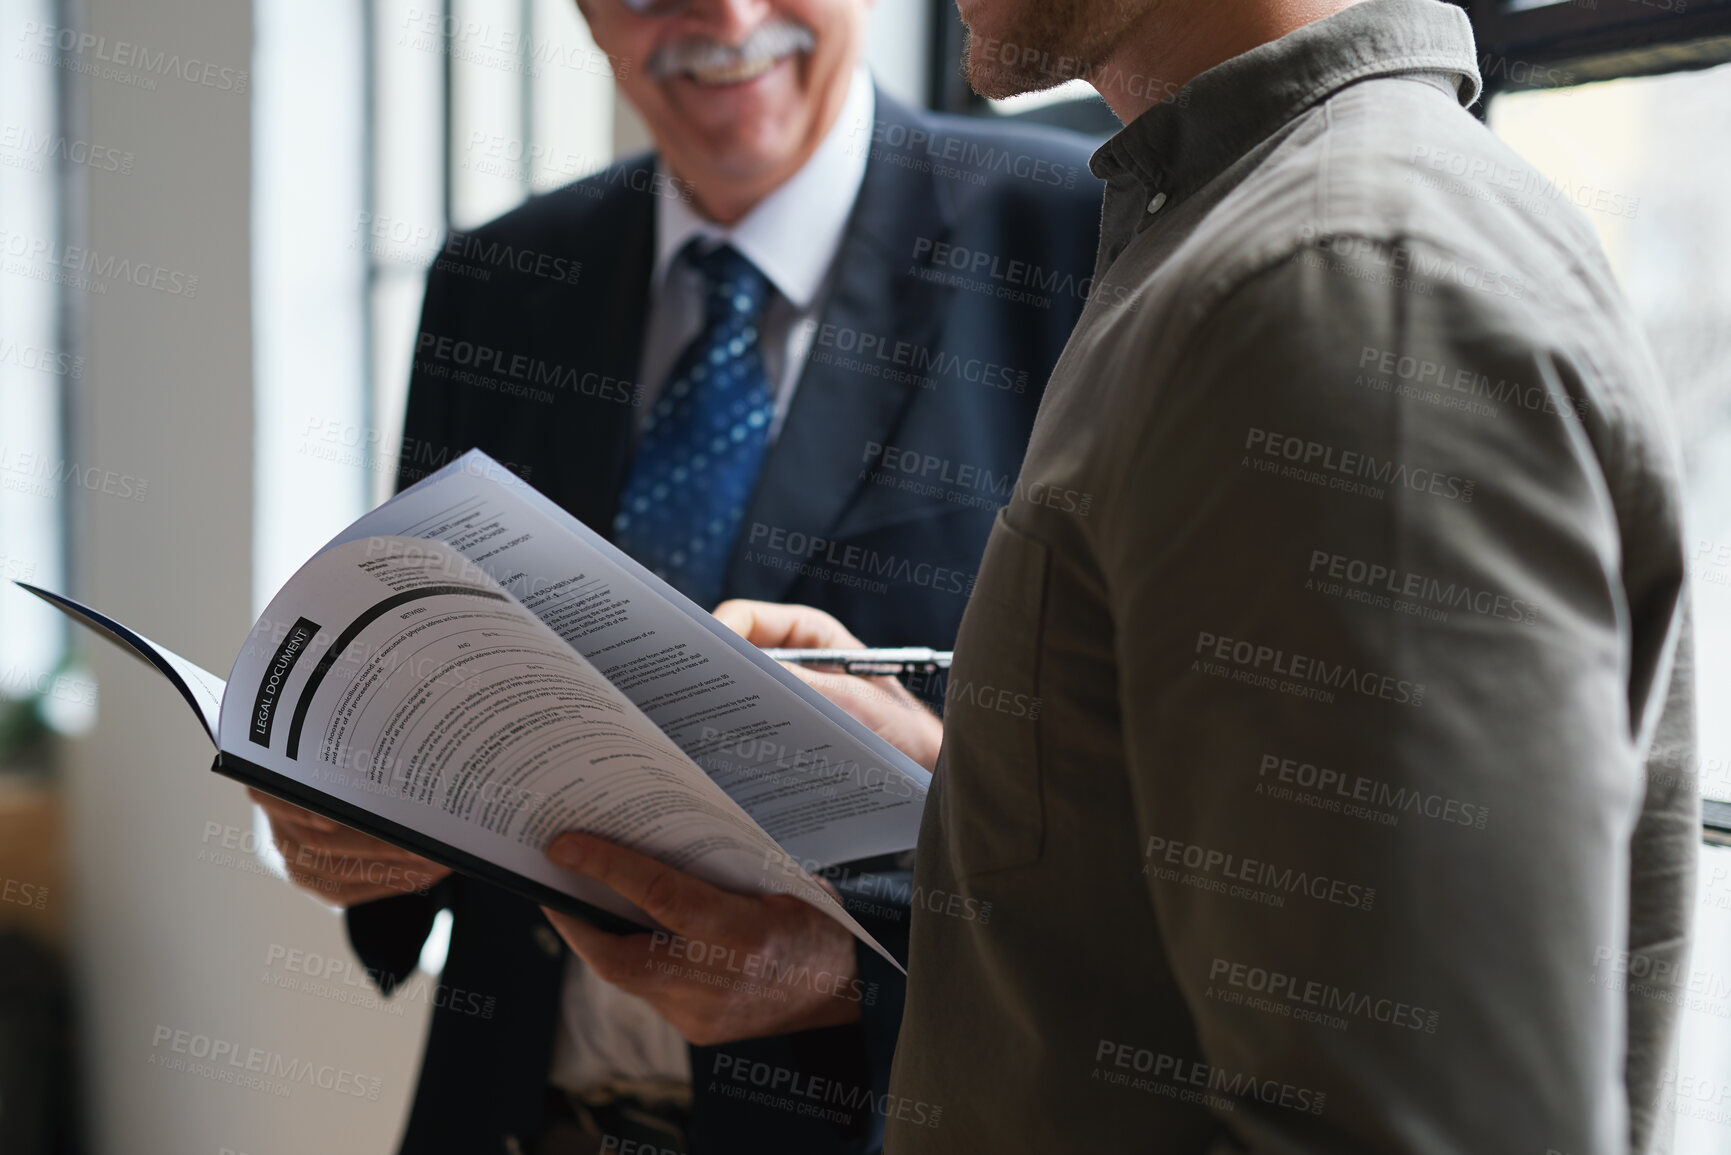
[
  {"x": 1158, "y": 203},
  {"x": 547, "y": 941}
]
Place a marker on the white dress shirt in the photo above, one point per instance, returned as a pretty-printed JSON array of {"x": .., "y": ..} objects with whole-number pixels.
[{"x": 792, "y": 236}]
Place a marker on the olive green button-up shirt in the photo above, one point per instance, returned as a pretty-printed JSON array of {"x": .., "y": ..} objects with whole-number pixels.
[{"x": 1317, "y": 774}]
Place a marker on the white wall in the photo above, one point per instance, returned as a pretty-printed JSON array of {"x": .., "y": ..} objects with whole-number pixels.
[{"x": 165, "y": 939}]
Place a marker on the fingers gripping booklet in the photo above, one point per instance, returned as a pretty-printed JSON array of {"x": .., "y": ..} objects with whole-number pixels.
[{"x": 468, "y": 670}]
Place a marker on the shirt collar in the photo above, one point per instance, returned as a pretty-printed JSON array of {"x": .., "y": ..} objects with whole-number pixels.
[
  {"x": 793, "y": 234},
  {"x": 1181, "y": 144}
]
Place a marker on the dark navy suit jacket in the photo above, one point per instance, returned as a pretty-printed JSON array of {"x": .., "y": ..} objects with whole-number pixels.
[{"x": 961, "y": 273}]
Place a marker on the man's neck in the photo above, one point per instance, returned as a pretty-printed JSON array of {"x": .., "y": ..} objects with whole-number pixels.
[{"x": 1176, "y": 42}]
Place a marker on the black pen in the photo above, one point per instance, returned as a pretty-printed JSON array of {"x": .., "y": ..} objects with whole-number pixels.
[{"x": 904, "y": 660}]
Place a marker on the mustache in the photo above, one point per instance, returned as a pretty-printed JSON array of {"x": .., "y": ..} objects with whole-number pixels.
[{"x": 774, "y": 38}]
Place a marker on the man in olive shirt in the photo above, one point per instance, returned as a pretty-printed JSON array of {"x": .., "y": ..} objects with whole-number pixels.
[{"x": 1327, "y": 829}]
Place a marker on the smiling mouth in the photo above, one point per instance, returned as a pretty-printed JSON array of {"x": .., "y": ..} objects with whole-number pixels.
[{"x": 739, "y": 72}]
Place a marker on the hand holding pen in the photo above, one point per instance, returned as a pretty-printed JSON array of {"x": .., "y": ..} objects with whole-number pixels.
[{"x": 878, "y": 701}]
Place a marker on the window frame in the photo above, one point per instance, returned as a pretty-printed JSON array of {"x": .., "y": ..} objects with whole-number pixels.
[
  {"x": 1715, "y": 822},
  {"x": 1604, "y": 41},
  {"x": 946, "y": 87},
  {"x": 1610, "y": 40}
]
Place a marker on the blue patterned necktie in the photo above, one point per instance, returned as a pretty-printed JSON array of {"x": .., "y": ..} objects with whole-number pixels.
[{"x": 703, "y": 442}]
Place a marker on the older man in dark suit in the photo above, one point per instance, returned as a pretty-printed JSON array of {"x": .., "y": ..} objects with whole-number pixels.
[{"x": 793, "y": 355}]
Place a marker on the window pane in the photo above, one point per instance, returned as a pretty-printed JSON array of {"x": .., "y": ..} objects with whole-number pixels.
[
  {"x": 492, "y": 64},
  {"x": 1648, "y": 161},
  {"x": 309, "y": 237},
  {"x": 35, "y": 368},
  {"x": 571, "y": 110},
  {"x": 407, "y": 141}
]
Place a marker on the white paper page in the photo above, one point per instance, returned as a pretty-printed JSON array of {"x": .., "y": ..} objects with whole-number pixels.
[
  {"x": 201, "y": 688},
  {"x": 392, "y": 674},
  {"x": 823, "y": 785}
]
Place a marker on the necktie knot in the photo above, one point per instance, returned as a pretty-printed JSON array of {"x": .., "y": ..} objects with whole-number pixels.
[{"x": 733, "y": 287}]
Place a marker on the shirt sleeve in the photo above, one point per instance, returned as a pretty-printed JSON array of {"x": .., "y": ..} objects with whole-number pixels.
[{"x": 1374, "y": 679}]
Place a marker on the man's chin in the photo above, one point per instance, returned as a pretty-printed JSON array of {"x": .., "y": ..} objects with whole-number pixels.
[
  {"x": 995, "y": 78},
  {"x": 741, "y": 158},
  {"x": 996, "y": 81},
  {"x": 1020, "y": 46},
  {"x": 1001, "y": 65}
]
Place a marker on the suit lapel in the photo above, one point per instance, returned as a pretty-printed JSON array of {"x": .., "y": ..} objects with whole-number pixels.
[
  {"x": 816, "y": 468},
  {"x": 598, "y": 330}
]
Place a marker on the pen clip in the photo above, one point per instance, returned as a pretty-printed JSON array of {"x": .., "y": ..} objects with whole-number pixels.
[{"x": 868, "y": 668}]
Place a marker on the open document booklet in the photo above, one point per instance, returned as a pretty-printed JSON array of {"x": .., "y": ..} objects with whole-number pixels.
[{"x": 468, "y": 670}]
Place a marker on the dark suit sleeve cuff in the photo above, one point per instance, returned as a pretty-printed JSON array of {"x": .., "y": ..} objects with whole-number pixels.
[{"x": 388, "y": 933}]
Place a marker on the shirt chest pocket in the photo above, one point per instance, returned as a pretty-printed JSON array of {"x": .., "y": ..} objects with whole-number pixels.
[{"x": 989, "y": 785}]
